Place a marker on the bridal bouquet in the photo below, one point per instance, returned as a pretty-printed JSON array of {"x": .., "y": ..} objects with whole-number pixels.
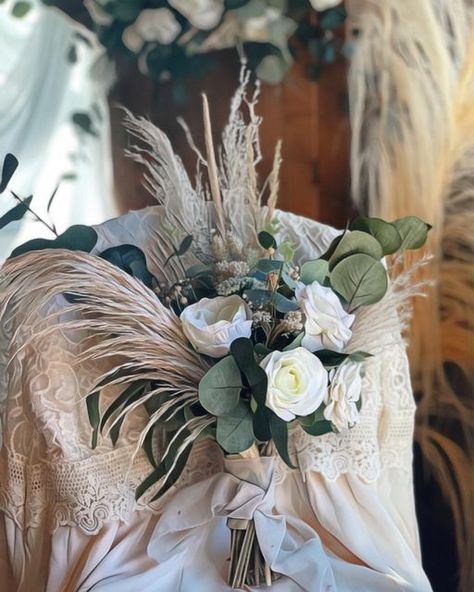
[{"x": 235, "y": 336}]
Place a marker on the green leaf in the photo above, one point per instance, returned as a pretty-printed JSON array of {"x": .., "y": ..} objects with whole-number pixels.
[
  {"x": 75, "y": 238},
  {"x": 279, "y": 431},
  {"x": 353, "y": 243},
  {"x": 243, "y": 352},
  {"x": 314, "y": 271},
  {"x": 266, "y": 240},
  {"x": 269, "y": 265},
  {"x": 199, "y": 270},
  {"x": 130, "y": 394},
  {"x": 185, "y": 245},
  {"x": 235, "y": 430},
  {"x": 360, "y": 280},
  {"x": 84, "y": 122},
  {"x": 219, "y": 389},
  {"x": 92, "y": 402},
  {"x": 384, "y": 232},
  {"x": 318, "y": 428},
  {"x": 284, "y": 304},
  {"x": 332, "y": 18},
  {"x": 330, "y": 358},
  {"x": 295, "y": 343},
  {"x": 413, "y": 231},
  {"x": 130, "y": 259},
  {"x": 16, "y": 213},
  {"x": 21, "y": 9},
  {"x": 261, "y": 424},
  {"x": 10, "y": 164},
  {"x": 287, "y": 251}
]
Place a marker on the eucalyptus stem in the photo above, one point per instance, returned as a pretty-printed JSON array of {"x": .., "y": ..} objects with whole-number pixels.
[{"x": 51, "y": 228}]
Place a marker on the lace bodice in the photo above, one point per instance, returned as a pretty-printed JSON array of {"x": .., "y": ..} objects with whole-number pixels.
[{"x": 51, "y": 475}]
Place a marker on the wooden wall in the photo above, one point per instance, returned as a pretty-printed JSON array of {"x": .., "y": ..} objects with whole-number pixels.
[{"x": 310, "y": 118}]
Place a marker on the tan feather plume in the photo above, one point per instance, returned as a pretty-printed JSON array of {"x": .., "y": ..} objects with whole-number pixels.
[{"x": 411, "y": 92}]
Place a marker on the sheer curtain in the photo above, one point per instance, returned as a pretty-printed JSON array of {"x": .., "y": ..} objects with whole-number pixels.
[{"x": 54, "y": 118}]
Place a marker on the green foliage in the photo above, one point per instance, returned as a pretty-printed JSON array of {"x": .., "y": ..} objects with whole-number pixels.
[
  {"x": 10, "y": 164},
  {"x": 130, "y": 259},
  {"x": 219, "y": 389},
  {"x": 267, "y": 240},
  {"x": 314, "y": 271},
  {"x": 413, "y": 232},
  {"x": 360, "y": 280},
  {"x": 384, "y": 232},
  {"x": 235, "y": 430},
  {"x": 92, "y": 402},
  {"x": 353, "y": 243},
  {"x": 279, "y": 432},
  {"x": 16, "y": 213},
  {"x": 21, "y": 9},
  {"x": 75, "y": 238}
]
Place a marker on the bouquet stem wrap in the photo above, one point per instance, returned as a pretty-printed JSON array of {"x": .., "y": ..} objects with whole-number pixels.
[{"x": 245, "y": 492}]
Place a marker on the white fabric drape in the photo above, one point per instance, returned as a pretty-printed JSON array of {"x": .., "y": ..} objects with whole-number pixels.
[
  {"x": 40, "y": 90},
  {"x": 69, "y": 521}
]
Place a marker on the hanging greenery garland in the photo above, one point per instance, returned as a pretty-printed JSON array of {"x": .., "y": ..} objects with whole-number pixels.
[{"x": 175, "y": 39}]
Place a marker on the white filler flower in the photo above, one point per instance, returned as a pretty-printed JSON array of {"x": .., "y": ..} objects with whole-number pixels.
[
  {"x": 297, "y": 382},
  {"x": 212, "y": 324},
  {"x": 202, "y": 14},
  {"x": 343, "y": 395},
  {"x": 327, "y": 324}
]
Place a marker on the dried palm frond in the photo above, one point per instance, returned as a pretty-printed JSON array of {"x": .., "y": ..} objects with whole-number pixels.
[
  {"x": 126, "y": 330},
  {"x": 412, "y": 111}
]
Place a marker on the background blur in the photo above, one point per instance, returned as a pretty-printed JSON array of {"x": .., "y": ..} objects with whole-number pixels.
[{"x": 61, "y": 115}]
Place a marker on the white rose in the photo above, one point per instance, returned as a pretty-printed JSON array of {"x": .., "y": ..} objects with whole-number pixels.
[
  {"x": 157, "y": 24},
  {"x": 327, "y": 324},
  {"x": 297, "y": 382},
  {"x": 212, "y": 324},
  {"x": 203, "y": 14},
  {"x": 344, "y": 392},
  {"x": 324, "y": 4}
]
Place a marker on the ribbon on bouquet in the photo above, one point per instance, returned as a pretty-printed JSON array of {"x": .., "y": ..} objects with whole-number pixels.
[{"x": 246, "y": 491}]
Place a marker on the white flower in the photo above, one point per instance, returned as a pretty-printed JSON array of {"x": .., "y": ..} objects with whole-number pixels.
[
  {"x": 98, "y": 14},
  {"x": 212, "y": 324},
  {"x": 203, "y": 14},
  {"x": 327, "y": 324},
  {"x": 132, "y": 40},
  {"x": 344, "y": 392},
  {"x": 324, "y": 4},
  {"x": 157, "y": 24},
  {"x": 297, "y": 382}
]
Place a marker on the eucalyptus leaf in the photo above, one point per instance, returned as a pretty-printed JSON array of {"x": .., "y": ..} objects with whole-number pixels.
[
  {"x": 261, "y": 424},
  {"x": 199, "y": 270},
  {"x": 259, "y": 298},
  {"x": 75, "y": 238},
  {"x": 355, "y": 242},
  {"x": 284, "y": 304},
  {"x": 360, "y": 280},
  {"x": 295, "y": 343},
  {"x": 314, "y": 271},
  {"x": 10, "y": 164},
  {"x": 235, "y": 430},
  {"x": 385, "y": 233},
  {"x": 219, "y": 389},
  {"x": 318, "y": 428},
  {"x": 243, "y": 352},
  {"x": 130, "y": 259},
  {"x": 269, "y": 265},
  {"x": 21, "y": 9},
  {"x": 16, "y": 213},
  {"x": 266, "y": 240},
  {"x": 185, "y": 245},
  {"x": 413, "y": 230},
  {"x": 329, "y": 358},
  {"x": 279, "y": 431}
]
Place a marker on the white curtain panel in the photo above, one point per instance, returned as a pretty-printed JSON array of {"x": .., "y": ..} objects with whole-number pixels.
[{"x": 50, "y": 70}]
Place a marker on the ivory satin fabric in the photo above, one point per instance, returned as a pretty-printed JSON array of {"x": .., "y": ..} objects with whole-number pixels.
[{"x": 69, "y": 521}]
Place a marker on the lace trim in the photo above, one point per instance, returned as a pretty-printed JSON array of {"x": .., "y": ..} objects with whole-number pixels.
[{"x": 87, "y": 493}]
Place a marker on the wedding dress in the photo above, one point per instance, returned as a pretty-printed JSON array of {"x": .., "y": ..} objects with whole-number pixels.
[{"x": 69, "y": 520}]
